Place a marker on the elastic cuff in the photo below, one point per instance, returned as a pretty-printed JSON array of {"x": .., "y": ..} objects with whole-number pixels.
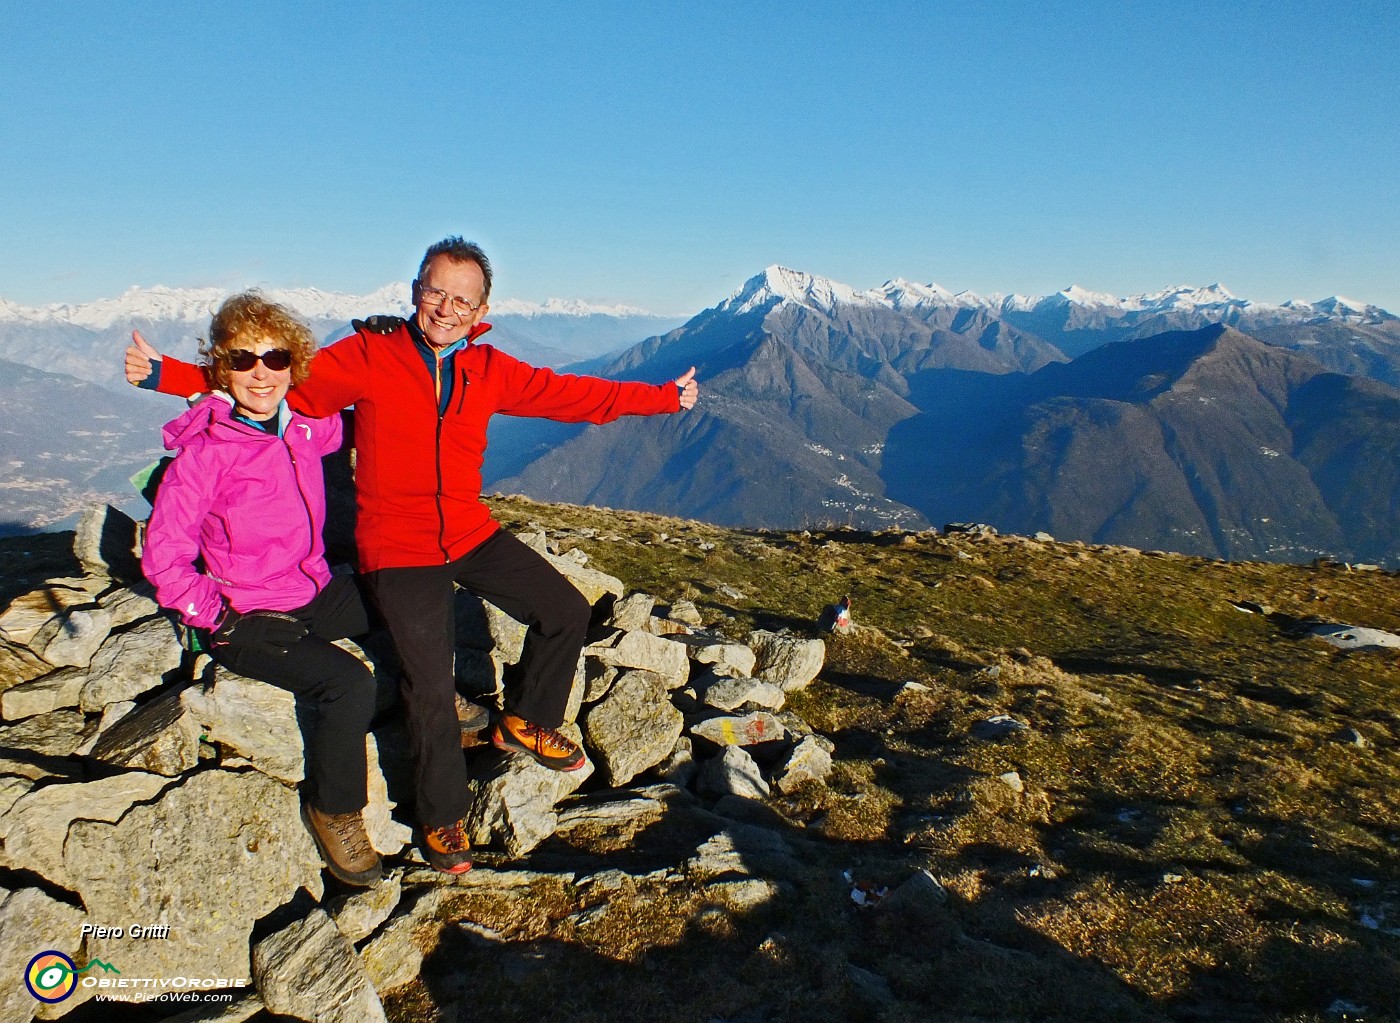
[{"x": 152, "y": 382}]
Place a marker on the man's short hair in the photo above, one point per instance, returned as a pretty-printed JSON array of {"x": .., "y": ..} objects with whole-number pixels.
[{"x": 459, "y": 251}]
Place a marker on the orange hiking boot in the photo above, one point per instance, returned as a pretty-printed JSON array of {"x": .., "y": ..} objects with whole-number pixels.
[
  {"x": 447, "y": 849},
  {"x": 548, "y": 746}
]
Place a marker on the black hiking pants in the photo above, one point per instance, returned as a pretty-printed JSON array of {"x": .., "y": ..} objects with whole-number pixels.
[
  {"x": 333, "y": 683},
  {"x": 417, "y": 606}
]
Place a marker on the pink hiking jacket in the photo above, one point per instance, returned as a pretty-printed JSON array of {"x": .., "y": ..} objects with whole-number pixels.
[{"x": 250, "y": 504}]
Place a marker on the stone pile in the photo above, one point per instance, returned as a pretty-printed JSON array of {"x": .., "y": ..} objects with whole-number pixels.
[{"x": 142, "y": 786}]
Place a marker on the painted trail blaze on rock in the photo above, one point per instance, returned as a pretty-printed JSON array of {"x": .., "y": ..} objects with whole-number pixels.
[{"x": 749, "y": 730}]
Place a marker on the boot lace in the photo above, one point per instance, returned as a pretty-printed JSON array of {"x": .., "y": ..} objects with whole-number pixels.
[
  {"x": 547, "y": 740},
  {"x": 450, "y": 837},
  {"x": 349, "y": 828}
]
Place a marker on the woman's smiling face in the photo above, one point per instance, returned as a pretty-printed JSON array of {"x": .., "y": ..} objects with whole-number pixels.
[{"x": 258, "y": 392}]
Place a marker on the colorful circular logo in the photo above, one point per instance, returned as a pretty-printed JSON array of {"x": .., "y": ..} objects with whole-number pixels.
[{"x": 50, "y": 976}]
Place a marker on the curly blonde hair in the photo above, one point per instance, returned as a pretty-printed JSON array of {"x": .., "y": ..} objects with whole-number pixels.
[{"x": 244, "y": 320}]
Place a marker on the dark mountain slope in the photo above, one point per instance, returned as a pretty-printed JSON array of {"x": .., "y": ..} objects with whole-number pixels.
[{"x": 1207, "y": 441}]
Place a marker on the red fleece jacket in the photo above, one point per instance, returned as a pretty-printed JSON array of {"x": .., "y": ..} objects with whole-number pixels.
[{"x": 418, "y": 474}]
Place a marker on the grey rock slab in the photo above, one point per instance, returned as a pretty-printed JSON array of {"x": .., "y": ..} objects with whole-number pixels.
[
  {"x": 740, "y": 851},
  {"x": 28, "y": 613},
  {"x": 130, "y": 663},
  {"x": 751, "y": 729},
  {"x": 71, "y": 639},
  {"x": 686, "y": 612},
  {"x": 730, "y": 692},
  {"x": 161, "y": 737},
  {"x": 633, "y": 728},
  {"x": 733, "y": 773},
  {"x": 257, "y": 722},
  {"x": 57, "y": 690},
  {"x": 111, "y": 714},
  {"x": 667, "y": 627},
  {"x": 723, "y": 653},
  {"x": 359, "y": 914},
  {"x": 11, "y": 788},
  {"x": 386, "y": 834},
  {"x": 310, "y": 971},
  {"x": 108, "y": 543},
  {"x": 394, "y": 956},
  {"x": 999, "y": 726},
  {"x": 130, "y": 605},
  {"x": 209, "y": 859},
  {"x": 598, "y": 679},
  {"x": 34, "y": 830},
  {"x": 18, "y": 665},
  {"x": 921, "y": 894},
  {"x": 33, "y": 922},
  {"x": 809, "y": 761},
  {"x": 632, "y": 611},
  {"x": 251, "y": 719},
  {"x": 631, "y": 813},
  {"x": 1352, "y": 637},
  {"x": 513, "y": 806},
  {"x": 665, "y": 657},
  {"x": 577, "y": 692},
  {"x": 483, "y": 626},
  {"x": 237, "y": 1011},
  {"x": 787, "y": 661},
  {"x": 593, "y": 584},
  {"x": 743, "y": 894},
  {"x": 55, "y": 734},
  {"x": 485, "y": 877},
  {"x": 679, "y": 767}
]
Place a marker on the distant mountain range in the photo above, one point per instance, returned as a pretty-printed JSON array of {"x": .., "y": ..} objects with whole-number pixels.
[
  {"x": 86, "y": 340},
  {"x": 907, "y": 405},
  {"x": 1186, "y": 419},
  {"x": 66, "y": 444}
]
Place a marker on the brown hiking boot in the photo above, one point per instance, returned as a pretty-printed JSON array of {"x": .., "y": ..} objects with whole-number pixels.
[
  {"x": 548, "y": 746},
  {"x": 447, "y": 849},
  {"x": 473, "y": 722},
  {"x": 344, "y": 845}
]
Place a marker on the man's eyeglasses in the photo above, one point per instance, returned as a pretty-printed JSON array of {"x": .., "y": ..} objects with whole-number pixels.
[
  {"x": 240, "y": 360},
  {"x": 434, "y": 297}
]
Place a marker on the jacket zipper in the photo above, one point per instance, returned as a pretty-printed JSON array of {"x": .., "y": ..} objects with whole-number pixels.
[
  {"x": 305, "y": 507},
  {"x": 442, "y": 519}
]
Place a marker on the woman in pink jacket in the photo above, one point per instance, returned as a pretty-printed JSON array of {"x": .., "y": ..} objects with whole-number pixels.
[{"x": 234, "y": 547}]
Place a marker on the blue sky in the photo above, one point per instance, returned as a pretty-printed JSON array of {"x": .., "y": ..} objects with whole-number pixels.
[{"x": 658, "y": 154}]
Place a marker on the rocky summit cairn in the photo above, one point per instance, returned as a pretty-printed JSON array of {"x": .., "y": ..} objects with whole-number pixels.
[{"x": 144, "y": 786}]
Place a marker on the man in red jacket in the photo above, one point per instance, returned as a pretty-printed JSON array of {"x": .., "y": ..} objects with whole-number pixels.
[{"x": 423, "y": 392}]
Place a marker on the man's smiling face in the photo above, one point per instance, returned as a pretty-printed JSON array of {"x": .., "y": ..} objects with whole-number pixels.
[{"x": 450, "y": 298}]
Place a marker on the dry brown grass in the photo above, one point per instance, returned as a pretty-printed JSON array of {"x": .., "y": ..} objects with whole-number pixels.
[{"x": 1192, "y": 841}]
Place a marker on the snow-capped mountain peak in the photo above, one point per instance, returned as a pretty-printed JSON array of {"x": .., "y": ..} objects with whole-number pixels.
[
  {"x": 563, "y": 307},
  {"x": 901, "y": 294},
  {"x": 1075, "y": 295},
  {"x": 780, "y": 284},
  {"x": 195, "y": 305}
]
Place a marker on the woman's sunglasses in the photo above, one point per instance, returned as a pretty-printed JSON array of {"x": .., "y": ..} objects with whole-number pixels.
[{"x": 240, "y": 360}]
